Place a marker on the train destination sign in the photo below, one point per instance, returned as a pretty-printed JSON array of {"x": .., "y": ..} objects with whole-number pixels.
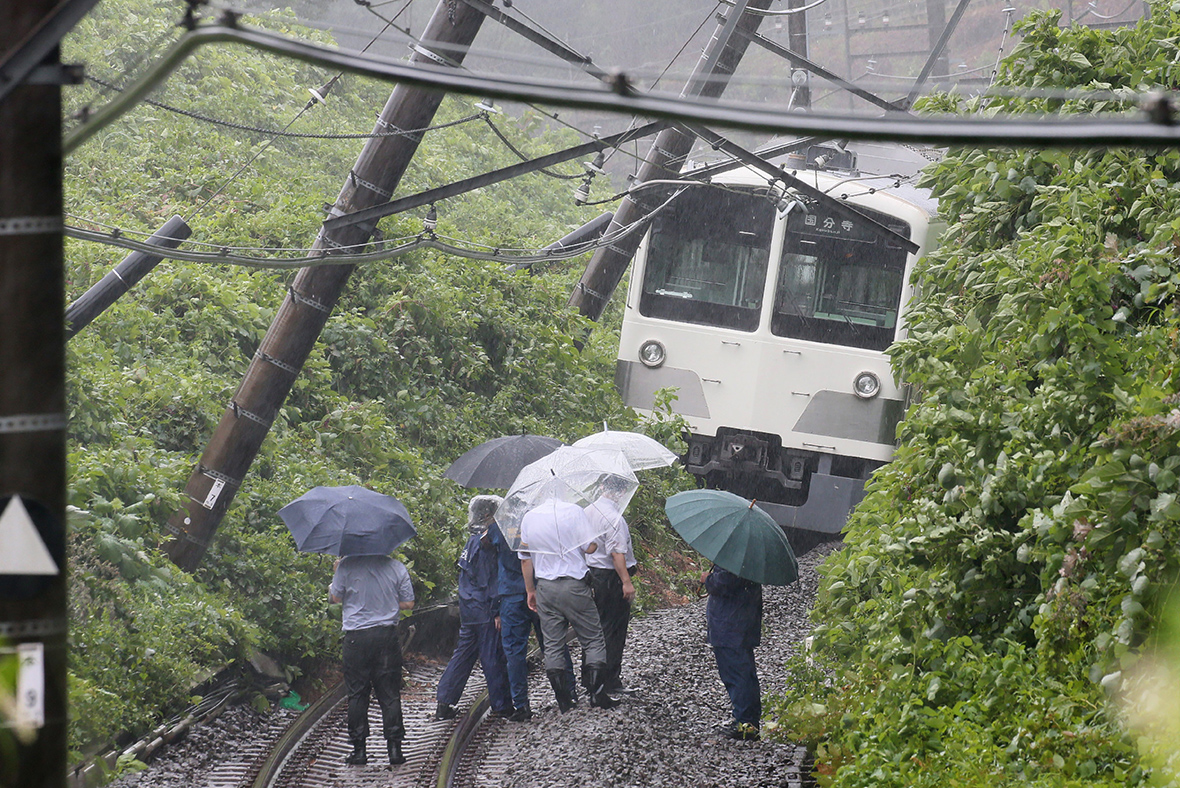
[{"x": 816, "y": 223}]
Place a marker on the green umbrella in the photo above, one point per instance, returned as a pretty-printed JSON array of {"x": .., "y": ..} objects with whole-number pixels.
[{"x": 734, "y": 534}]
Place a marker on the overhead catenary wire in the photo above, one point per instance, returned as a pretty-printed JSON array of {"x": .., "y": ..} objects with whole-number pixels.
[
  {"x": 1092, "y": 10},
  {"x": 283, "y": 132},
  {"x": 785, "y": 12},
  {"x": 1154, "y": 128},
  {"x": 316, "y": 99},
  {"x": 581, "y": 131},
  {"x": 384, "y": 250}
]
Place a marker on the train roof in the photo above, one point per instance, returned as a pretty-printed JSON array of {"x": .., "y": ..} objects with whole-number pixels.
[{"x": 875, "y": 161}]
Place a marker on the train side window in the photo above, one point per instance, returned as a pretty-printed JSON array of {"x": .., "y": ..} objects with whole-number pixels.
[{"x": 707, "y": 259}]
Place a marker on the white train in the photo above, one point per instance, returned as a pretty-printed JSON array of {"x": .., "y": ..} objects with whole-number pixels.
[{"x": 769, "y": 312}]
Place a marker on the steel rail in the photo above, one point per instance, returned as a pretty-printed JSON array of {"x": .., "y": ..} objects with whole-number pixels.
[
  {"x": 1156, "y": 127},
  {"x": 450, "y": 763},
  {"x": 303, "y": 725},
  {"x": 461, "y": 737}
]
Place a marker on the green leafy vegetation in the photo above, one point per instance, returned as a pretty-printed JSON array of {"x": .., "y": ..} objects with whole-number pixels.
[
  {"x": 424, "y": 357},
  {"x": 1007, "y": 570}
]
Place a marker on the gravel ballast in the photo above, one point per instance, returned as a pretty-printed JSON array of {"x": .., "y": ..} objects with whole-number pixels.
[{"x": 665, "y": 733}]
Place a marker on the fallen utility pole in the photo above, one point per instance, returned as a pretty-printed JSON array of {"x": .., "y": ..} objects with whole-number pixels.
[
  {"x": 671, "y": 146},
  {"x": 33, "y": 618},
  {"x": 123, "y": 277},
  {"x": 314, "y": 293}
]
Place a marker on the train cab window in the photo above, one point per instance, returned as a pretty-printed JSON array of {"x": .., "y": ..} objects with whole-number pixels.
[
  {"x": 707, "y": 259},
  {"x": 838, "y": 282}
]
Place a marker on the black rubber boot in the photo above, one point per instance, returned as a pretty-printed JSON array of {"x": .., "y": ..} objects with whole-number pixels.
[
  {"x": 395, "y": 753},
  {"x": 560, "y": 683},
  {"x": 598, "y": 697},
  {"x": 357, "y": 757}
]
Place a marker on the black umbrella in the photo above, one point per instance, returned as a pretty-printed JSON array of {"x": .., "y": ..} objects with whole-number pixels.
[{"x": 494, "y": 464}]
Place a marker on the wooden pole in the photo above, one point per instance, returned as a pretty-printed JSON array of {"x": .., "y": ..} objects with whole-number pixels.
[
  {"x": 314, "y": 293},
  {"x": 709, "y": 80},
  {"x": 32, "y": 414}
]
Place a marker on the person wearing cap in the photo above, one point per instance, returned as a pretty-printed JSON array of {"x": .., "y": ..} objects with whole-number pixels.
[
  {"x": 479, "y": 619},
  {"x": 733, "y": 617},
  {"x": 559, "y": 592},
  {"x": 610, "y": 578},
  {"x": 373, "y": 590}
]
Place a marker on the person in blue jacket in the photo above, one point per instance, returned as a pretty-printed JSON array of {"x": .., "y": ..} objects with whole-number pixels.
[
  {"x": 733, "y": 615},
  {"x": 479, "y": 617},
  {"x": 515, "y": 622}
]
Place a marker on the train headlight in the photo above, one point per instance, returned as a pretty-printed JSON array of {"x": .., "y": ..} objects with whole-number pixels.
[
  {"x": 866, "y": 385},
  {"x": 652, "y": 353}
]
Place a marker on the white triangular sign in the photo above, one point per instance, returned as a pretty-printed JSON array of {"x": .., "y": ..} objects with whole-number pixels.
[{"x": 21, "y": 550}]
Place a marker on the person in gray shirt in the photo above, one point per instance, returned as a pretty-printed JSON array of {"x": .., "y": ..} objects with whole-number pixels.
[{"x": 373, "y": 589}]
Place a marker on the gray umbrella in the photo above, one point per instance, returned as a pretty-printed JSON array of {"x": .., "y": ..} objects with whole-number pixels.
[{"x": 347, "y": 520}]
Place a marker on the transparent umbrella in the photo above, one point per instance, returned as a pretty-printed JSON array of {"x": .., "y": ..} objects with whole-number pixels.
[
  {"x": 642, "y": 452},
  {"x": 598, "y": 481}
]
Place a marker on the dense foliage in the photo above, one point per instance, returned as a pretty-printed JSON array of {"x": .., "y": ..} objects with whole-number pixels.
[
  {"x": 1007, "y": 570},
  {"x": 424, "y": 357}
]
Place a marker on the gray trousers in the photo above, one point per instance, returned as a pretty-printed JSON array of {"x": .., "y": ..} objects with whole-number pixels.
[{"x": 564, "y": 603}]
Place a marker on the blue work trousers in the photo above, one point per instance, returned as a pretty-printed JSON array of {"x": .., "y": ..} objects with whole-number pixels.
[
  {"x": 482, "y": 642},
  {"x": 515, "y": 622},
  {"x": 740, "y": 677}
]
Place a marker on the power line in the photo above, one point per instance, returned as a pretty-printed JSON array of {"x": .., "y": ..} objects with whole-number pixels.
[
  {"x": 283, "y": 131},
  {"x": 1156, "y": 127},
  {"x": 385, "y": 249}
]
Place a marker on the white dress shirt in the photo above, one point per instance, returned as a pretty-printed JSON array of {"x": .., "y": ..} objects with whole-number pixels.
[
  {"x": 607, "y": 519},
  {"x": 557, "y": 535}
]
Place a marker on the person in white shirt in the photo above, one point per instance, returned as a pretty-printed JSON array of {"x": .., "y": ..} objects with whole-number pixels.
[
  {"x": 610, "y": 578},
  {"x": 555, "y": 537}
]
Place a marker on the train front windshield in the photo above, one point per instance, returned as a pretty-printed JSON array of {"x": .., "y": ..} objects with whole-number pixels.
[
  {"x": 707, "y": 259},
  {"x": 839, "y": 281}
]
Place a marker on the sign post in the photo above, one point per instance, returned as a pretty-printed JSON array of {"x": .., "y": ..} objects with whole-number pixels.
[{"x": 32, "y": 417}]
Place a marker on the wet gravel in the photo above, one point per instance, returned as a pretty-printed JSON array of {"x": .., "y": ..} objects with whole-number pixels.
[{"x": 665, "y": 733}]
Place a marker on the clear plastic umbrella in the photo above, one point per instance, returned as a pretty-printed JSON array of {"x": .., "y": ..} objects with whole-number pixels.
[
  {"x": 570, "y": 475},
  {"x": 641, "y": 451}
]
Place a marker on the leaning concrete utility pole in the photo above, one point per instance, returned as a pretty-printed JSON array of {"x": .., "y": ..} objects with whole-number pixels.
[
  {"x": 709, "y": 80},
  {"x": 314, "y": 293},
  {"x": 33, "y": 751}
]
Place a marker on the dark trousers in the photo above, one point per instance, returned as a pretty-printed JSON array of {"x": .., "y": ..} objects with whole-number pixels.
[
  {"x": 482, "y": 642},
  {"x": 373, "y": 663},
  {"x": 740, "y": 677},
  {"x": 614, "y": 611}
]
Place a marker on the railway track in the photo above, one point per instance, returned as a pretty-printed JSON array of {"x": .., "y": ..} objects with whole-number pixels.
[{"x": 308, "y": 749}]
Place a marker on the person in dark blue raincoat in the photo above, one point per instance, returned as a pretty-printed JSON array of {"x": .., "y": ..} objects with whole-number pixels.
[
  {"x": 515, "y": 622},
  {"x": 733, "y": 616},
  {"x": 479, "y": 617}
]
